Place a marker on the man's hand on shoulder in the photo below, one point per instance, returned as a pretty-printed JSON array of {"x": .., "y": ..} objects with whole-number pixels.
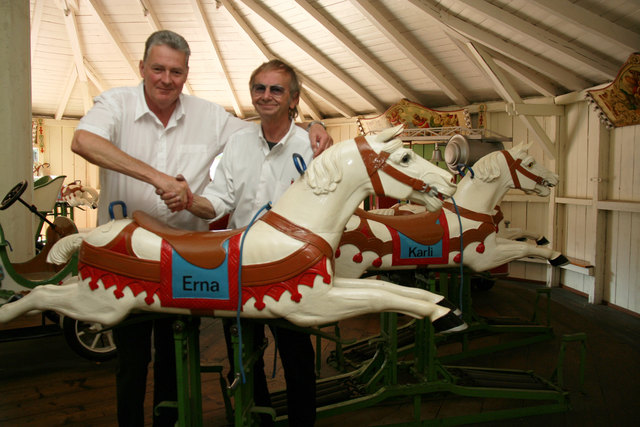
[{"x": 319, "y": 137}]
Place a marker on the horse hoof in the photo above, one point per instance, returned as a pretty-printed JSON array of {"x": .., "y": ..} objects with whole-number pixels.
[
  {"x": 449, "y": 323},
  {"x": 448, "y": 304},
  {"x": 542, "y": 241},
  {"x": 558, "y": 261}
]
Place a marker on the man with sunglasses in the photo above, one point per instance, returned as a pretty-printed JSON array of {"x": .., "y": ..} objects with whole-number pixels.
[
  {"x": 256, "y": 168},
  {"x": 150, "y": 140}
]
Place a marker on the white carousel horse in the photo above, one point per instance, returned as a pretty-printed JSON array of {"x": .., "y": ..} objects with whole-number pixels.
[
  {"x": 287, "y": 258},
  {"x": 408, "y": 237},
  {"x": 76, "y": 194}
]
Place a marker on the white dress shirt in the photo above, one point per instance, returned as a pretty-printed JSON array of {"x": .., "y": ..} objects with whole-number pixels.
[
  {"x": 250, "y": 175},
  {"x": 195, "y": 134}
]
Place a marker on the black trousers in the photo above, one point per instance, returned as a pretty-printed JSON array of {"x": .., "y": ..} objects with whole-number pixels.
[
  {"x": 298, "y": 360},
  {"x": 134, "y": 354}
]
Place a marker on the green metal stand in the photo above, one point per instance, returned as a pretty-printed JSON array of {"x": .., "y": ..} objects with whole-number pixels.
[
  {"x": 391, "y": 373},
  {"x": 448, "y": 282}
]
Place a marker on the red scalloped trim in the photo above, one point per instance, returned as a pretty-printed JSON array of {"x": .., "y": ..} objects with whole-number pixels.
[
  {"x": 275, "y": 290},
  {"x": 110, "y": 280}
]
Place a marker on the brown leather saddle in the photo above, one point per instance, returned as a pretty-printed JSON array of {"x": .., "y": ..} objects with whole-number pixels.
[
  {"x": 420, "y": 227},
  {"x": 205, "y": 248},
  {"x": 201, "y": 248}
]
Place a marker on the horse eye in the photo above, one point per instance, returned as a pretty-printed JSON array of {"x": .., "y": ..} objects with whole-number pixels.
[
  {"x": 406, "y": 158},
  {"x": 530, "y": 164}
]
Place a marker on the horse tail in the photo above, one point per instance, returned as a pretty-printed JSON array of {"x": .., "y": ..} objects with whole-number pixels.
[{"x": 64, "y": 248}]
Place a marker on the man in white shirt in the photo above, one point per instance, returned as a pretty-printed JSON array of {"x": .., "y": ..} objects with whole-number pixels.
[
  {"x": 257, "y": 167},
  {"x": 153, "y": 139}
]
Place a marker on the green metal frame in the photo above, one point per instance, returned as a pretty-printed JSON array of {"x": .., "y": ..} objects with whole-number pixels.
[
  {"x": 385, "y": 376},
  {"x": 447, "y": 282}
]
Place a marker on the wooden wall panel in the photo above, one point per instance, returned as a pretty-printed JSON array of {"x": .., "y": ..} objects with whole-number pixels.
[{"x": 58, "y": 136}]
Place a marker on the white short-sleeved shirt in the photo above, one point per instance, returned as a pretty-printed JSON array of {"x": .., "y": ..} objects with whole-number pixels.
[
  {"x": 196, "y": 133},
  {"x": 250, "y": 175}
]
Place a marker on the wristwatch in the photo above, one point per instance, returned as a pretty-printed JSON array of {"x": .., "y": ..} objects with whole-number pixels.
[{"x": 316, "y": 122}]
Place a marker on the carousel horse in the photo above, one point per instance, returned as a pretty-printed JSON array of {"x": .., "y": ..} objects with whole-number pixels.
[
  {"x": 76, "y": 194},
  {"x": 286, "y": 255},
  {"x": 407, "y": 237}
]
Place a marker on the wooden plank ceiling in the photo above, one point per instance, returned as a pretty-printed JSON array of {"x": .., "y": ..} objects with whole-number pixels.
[{"x": 356, "y": 57}]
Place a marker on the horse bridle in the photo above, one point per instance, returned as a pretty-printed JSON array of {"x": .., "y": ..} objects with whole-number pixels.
[
  {"x": 377, "y": 162},
  {"x": 515, "y": 166}
]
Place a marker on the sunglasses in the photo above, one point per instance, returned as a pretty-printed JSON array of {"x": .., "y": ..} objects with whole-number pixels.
[{"x": 260, "y": 89}]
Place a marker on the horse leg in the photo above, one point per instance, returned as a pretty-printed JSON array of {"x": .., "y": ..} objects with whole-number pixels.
[
  {"x": 408, "y": 292},
  {"x": 341, "y": 303},
  {"x": 405, "y": 291},
  {"x": 508, "y": 250},
  {"x": 73, "y": 299}
]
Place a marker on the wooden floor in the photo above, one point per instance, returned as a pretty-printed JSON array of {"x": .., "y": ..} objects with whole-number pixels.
[{"x": 43, "y": 383}]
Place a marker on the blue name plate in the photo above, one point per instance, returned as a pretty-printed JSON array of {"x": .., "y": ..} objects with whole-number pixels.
[
  {"x": 410, "y": 249},
  {"x": 192, "y": 282}
]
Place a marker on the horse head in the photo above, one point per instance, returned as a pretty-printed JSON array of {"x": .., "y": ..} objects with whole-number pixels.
[
  {"x": 522, "y": 171},
  {"x": 76, "y": 194},
  {"x": 399, "y": 172}
]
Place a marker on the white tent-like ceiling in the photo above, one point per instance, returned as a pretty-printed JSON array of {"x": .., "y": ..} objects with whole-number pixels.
[{"x": 355, "y": 57}]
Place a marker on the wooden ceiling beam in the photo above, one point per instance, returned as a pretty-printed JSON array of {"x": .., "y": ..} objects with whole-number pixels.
[
  {"x": 112, "y": 35},
  {"x": 375, "y": 67},
  {"x": 315, "y": 54},
  {"x": 509, "y": 94},
  {"x": 533, "y": 79},
  {"x": 255, "y": 41},
  {"x": 602, "y": 66},
  {"x": 217, "y": 56},
  {"x": 425, "y": 64},
  {"x": 71, "y": 25},
  {"x": 543, "y": 66},
  {"x": 66, "y": 94},
  {"x": 591, "y": 22}
]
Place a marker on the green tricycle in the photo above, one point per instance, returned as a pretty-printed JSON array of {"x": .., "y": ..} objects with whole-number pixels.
[{"x": 16, "y": 279}]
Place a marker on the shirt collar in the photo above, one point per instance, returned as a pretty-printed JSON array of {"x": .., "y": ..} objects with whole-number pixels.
[
  {"x": 284, "y": 139},
  {"x": 142, "y": 108}
]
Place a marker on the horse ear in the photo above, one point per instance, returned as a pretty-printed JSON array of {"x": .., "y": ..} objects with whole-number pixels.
[
  {"x": 522, "y": 146},
  {"x": 389, "y": 133}
]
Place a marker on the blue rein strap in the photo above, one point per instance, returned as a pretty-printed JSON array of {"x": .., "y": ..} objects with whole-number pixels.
[
  {"x": 239, "y": 309},
  {"x": 299, "y": 162},
  {"x": 461, "y": 251},
  {"x": 461, "y": 167}
]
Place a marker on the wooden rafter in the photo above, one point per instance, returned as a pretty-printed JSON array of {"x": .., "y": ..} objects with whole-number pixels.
[
  {"x": 66, "y": 94},
  {"x": 246, "y": 29},
  {"x": 592, "y": 22},
  {"x": 375, "y": 67},
  {"x": 523, "y": 73},
  {"x": 315, "y": 54},
  {"x": 69, "y": 12},
  {"x": 217, "y": 56},
  {"x": 110, "y": 32},
  {"x": 415, "y": 55},
  {"x": 442, "y": 17},
  {"x": 509, "y": 94},
  {"x": 584, "y": 56}
]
